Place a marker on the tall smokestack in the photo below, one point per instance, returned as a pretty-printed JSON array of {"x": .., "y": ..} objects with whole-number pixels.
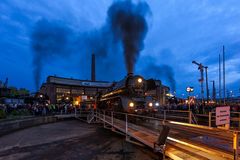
[
  {"x": 130, "y": 74},
  {"x": 93, "y": 75}
]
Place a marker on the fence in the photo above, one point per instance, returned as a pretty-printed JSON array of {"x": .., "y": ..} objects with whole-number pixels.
[{"x": 205, "y": 134}]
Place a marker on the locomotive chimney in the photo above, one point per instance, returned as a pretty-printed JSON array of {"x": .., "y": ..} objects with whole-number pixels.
[
  {"x": 129, "y": 74},
  {"x": 93, "y": 76}
]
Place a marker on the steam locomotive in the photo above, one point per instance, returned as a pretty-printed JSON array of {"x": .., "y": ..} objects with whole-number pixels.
[{"x": 127, "y": 95}]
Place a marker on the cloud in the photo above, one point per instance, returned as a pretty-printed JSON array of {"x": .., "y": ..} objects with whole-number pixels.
[{"x": 180, "y": 32}]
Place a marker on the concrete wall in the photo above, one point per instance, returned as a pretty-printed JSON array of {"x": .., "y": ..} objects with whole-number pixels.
[{"x": 10, "y": 126}]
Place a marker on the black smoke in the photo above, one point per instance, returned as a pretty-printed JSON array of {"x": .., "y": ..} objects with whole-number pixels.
[
  {"x": 49, "y": 40},
  {"x": 128, "y": 24},
  {"x": 124, "y": 31},
  {"x": 163, "y": 72}
]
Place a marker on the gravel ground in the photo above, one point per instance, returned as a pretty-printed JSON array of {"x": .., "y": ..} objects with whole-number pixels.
[{"x": 70, "y": 140}]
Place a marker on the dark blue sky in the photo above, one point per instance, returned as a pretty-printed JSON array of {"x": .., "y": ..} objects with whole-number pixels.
[{"x": 179, "y": 31}]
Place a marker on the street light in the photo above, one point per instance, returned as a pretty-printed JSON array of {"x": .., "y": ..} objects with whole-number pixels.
[{"x": 189, "y": 90}]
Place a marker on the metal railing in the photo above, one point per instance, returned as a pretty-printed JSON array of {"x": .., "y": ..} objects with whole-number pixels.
[
  {"x": 90, "y": 116},
  {"x": 207, "y": 119},
  {"x": 110, "y": 118},
  {"x": 139, "y": 121}
]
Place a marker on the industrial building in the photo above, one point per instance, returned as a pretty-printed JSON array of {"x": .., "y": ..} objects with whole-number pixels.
[
  {"x": 77, "y": 92},
  {"x": 60, "y": 89}
]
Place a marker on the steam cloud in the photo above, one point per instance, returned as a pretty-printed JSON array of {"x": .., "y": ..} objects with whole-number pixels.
[
  {"x": 163, "y": 72},
  {"x": 126, "y": 26}
]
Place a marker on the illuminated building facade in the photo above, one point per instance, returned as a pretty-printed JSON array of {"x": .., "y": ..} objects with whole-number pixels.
[{"x": 75, "y": 91}]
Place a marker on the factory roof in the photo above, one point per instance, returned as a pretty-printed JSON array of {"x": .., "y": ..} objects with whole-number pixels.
[{"x": 77, "y": 82}]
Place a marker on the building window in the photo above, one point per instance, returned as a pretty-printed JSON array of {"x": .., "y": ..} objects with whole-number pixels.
[
  {"x": 63, "y": 90},
  {"x": 77, "y": 91}
]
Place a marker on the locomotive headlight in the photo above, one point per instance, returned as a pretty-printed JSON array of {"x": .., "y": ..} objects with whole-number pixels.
[
  {"x": 139, "y": 80},
  {"x": 131, "y": 104},
  {"x": 156, "y": 104},
  {"x": 150, "y": 104}
]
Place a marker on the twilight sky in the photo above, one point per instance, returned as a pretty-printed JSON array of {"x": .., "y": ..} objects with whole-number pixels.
[{"x": 179, "y": 31}]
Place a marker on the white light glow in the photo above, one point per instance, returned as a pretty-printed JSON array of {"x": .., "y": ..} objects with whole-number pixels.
[
  {"x": 150, "y": 104},
  {"x": 139, "y": 80},
  {"x": 131, "y": 104}
]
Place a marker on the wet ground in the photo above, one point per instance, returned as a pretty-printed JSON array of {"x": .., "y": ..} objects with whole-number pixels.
[{"x": 70, "y": 140}]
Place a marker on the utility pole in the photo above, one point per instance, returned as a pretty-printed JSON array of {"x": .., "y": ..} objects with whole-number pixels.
[
  {"x": 220, "y": 78},
  {"x": 200, "y": 68},
  {"x": 224, "y": 84},
  {"x": 207, "y": 84},
  {"x": 213, "y": 91}
]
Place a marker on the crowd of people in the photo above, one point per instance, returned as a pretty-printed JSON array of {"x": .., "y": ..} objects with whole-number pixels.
[
  {"x": 66, "y": 108},
  {"x": 38, "y": 109},
  {"x": 200, "y": 108}
]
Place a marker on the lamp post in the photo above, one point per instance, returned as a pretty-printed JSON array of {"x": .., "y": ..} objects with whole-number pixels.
[{"x": 189, "y": 90}]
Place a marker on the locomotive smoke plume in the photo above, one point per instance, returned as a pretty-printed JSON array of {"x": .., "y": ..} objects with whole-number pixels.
[
  {"x": 125, "y": 25},
  {"x": 163, "y": 72},
  {"x": 128, "y": 24},
  {"x": 48, "y": 40}
]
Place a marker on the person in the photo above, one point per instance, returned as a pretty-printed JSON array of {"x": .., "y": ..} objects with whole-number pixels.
[
  {"x": 53, "y": 108},
  {"x": 35, "y": 108},
  {"x": 201, "y": 109},
  {"x": 44, "y": 111}
]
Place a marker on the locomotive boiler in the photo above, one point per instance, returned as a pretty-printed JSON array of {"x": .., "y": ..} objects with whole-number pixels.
[{"x": 127, "y": 95}]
